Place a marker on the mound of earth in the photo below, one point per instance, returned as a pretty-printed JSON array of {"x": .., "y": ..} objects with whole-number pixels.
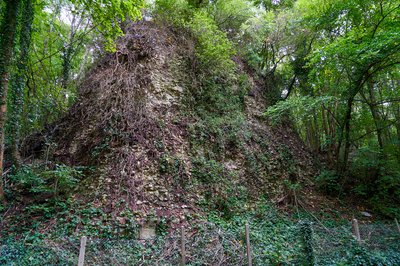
[{"x": 131, "y": 122}]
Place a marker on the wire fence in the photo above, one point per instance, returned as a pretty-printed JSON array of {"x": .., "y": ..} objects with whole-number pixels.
[
  {"x": 303, "y": 244},
  {"x": 335, "y": 244}
]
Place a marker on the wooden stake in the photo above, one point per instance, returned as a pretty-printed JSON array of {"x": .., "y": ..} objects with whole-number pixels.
[
  {"x": 397, "y": 224},
  {"x": 248, "y": 245},
  {"x": 183, "y": 251},
  {"x": 356, "y": 230},
  {"x": 82, "y": 251}
]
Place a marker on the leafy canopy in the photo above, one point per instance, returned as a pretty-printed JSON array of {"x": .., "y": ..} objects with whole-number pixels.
[{"x": 108, "y": 14}]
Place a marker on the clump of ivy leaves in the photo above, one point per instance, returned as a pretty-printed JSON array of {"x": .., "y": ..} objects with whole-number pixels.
[
  {"x": 42, "y": 190},
  {"x": 289, "y": 239},
  {"x": 48, "y": 192},
  {"x": 44, "y": 194}
]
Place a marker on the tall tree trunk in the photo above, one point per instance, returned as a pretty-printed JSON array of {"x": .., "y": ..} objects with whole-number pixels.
[
  {"x": 18, "y": 81},
  {"x": 312, "y": 136},
  {"x": 328, "y": 137},
  {"x": 67, "y": 56},
  {"x": 379, "y": 123},
  {"x": 66, "y": 66},
  {"x": 347, "y": 133},
  {"x": 317, "y": 130},
  {"x": 397, "y": 125},
  {"x": 378, "y": 120},
  {"x": 8, "y": 29},
  {"x": 344, "y": 134},
  {"x": 71, "y": 45}
]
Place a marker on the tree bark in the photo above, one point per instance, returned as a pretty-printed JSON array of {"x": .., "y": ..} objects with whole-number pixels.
[
  {"x": 67, "y": 55},
  {"x": 18, "y": 82},
  {"x": 344, "y": 134},
  {"x": 345, "y": 128},
  {"x": 378, "y": 120},
  {"x": 347, "y": 133},
  {"x": 397, "y": 125},
  {"x": 8, "y": 29}
]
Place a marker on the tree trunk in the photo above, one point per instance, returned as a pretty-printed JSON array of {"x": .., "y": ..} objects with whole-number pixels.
[
  {"x": 378, "y": 120},
  {"x": 317, "y": 131},
  {"x": 18, "y": 82},
  {"x": 347, "y": 133},
  {"x": 328, "y": 138},
  {"x": 397, "y": 125},
  {"x": 67, "y": 56},
  {"x": 8, "y": 28},
  {"x": 344, "y": 134}
]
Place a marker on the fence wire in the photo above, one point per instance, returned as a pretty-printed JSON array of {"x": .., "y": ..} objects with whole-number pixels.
[
  {"x": 380, "y": 237},
  {"x": 209, "y": 245},
  {"x": 338, "y": 245}
]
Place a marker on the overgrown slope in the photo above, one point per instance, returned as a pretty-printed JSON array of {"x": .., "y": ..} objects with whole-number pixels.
[
  {"x": 153, "y": 139},
  {"x": 138, "y": 122}
]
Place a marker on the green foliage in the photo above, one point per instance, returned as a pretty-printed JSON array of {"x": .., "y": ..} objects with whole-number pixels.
[
  {"x": 220, "y": 135},
  {"x": 275, "y": 5},
  {"x": 208, "y": 171},
  {"x": 216, "y": 99},
  {"x": 253, "y": 32},
  {"x": 107, "y": 16},
  {"x": 18, "y": 78},
  {"x": 64, "y": 34},
  {"x": 218, "y": 186},
  {"x": 230, "y": 15},
  {"x": 377, "y": 178},
  {"x": 358, "y": 256},
  {"x": 38, "y": 181},
  {"x": 256, "y": 163},
  {"x": 340, "y": 98},
  {"x": 45, "y": 97},
  {"x": 299, "y": 108},
  {"x": 328, "y": 182},
  {"x": 213, "y": 48},
  {"x": 307, "y": 232},
  {"x": 37, "y": 253},
  {"x": 101, "y": 148},
  {"x": 272, "y": 235},
  {"x": 276, "y": 239},
  {"x": 214, "y": 88},
  {"x": 328, "y": 57},
  {"x": 172, "y": 168},
  {"x": 176, "y": 12}
]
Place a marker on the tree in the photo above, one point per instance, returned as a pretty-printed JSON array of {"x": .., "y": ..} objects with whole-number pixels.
[
  {"x": 8, "y": 29},
  {"x": 107, "y": 16},
  {"x": 346, "y": 89},
  {"x": 363, "y": 47},
  {"x": 18, "y": 80}
]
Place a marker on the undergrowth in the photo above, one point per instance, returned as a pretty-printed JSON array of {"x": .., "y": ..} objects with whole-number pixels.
[{"x": 276, "y": 239}]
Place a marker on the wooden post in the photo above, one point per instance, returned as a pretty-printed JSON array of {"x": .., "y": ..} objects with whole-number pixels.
[
  {"x": 356, "y": 230},
  {"x": 397, "y": 224},
  {"x": 248, "y": 245},
  {"x": 183, "y": 251},
  {"x": 82, "y": 251}
]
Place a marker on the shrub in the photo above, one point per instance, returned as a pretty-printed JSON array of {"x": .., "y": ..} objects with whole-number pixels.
[
  {"x": 213, "y": 48},
  {"x": 377, "y": 178},
  {"x": 176, "y": 12},
  {"x": 328, "y": 182},
  {"x": 35, "y": 180}
]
